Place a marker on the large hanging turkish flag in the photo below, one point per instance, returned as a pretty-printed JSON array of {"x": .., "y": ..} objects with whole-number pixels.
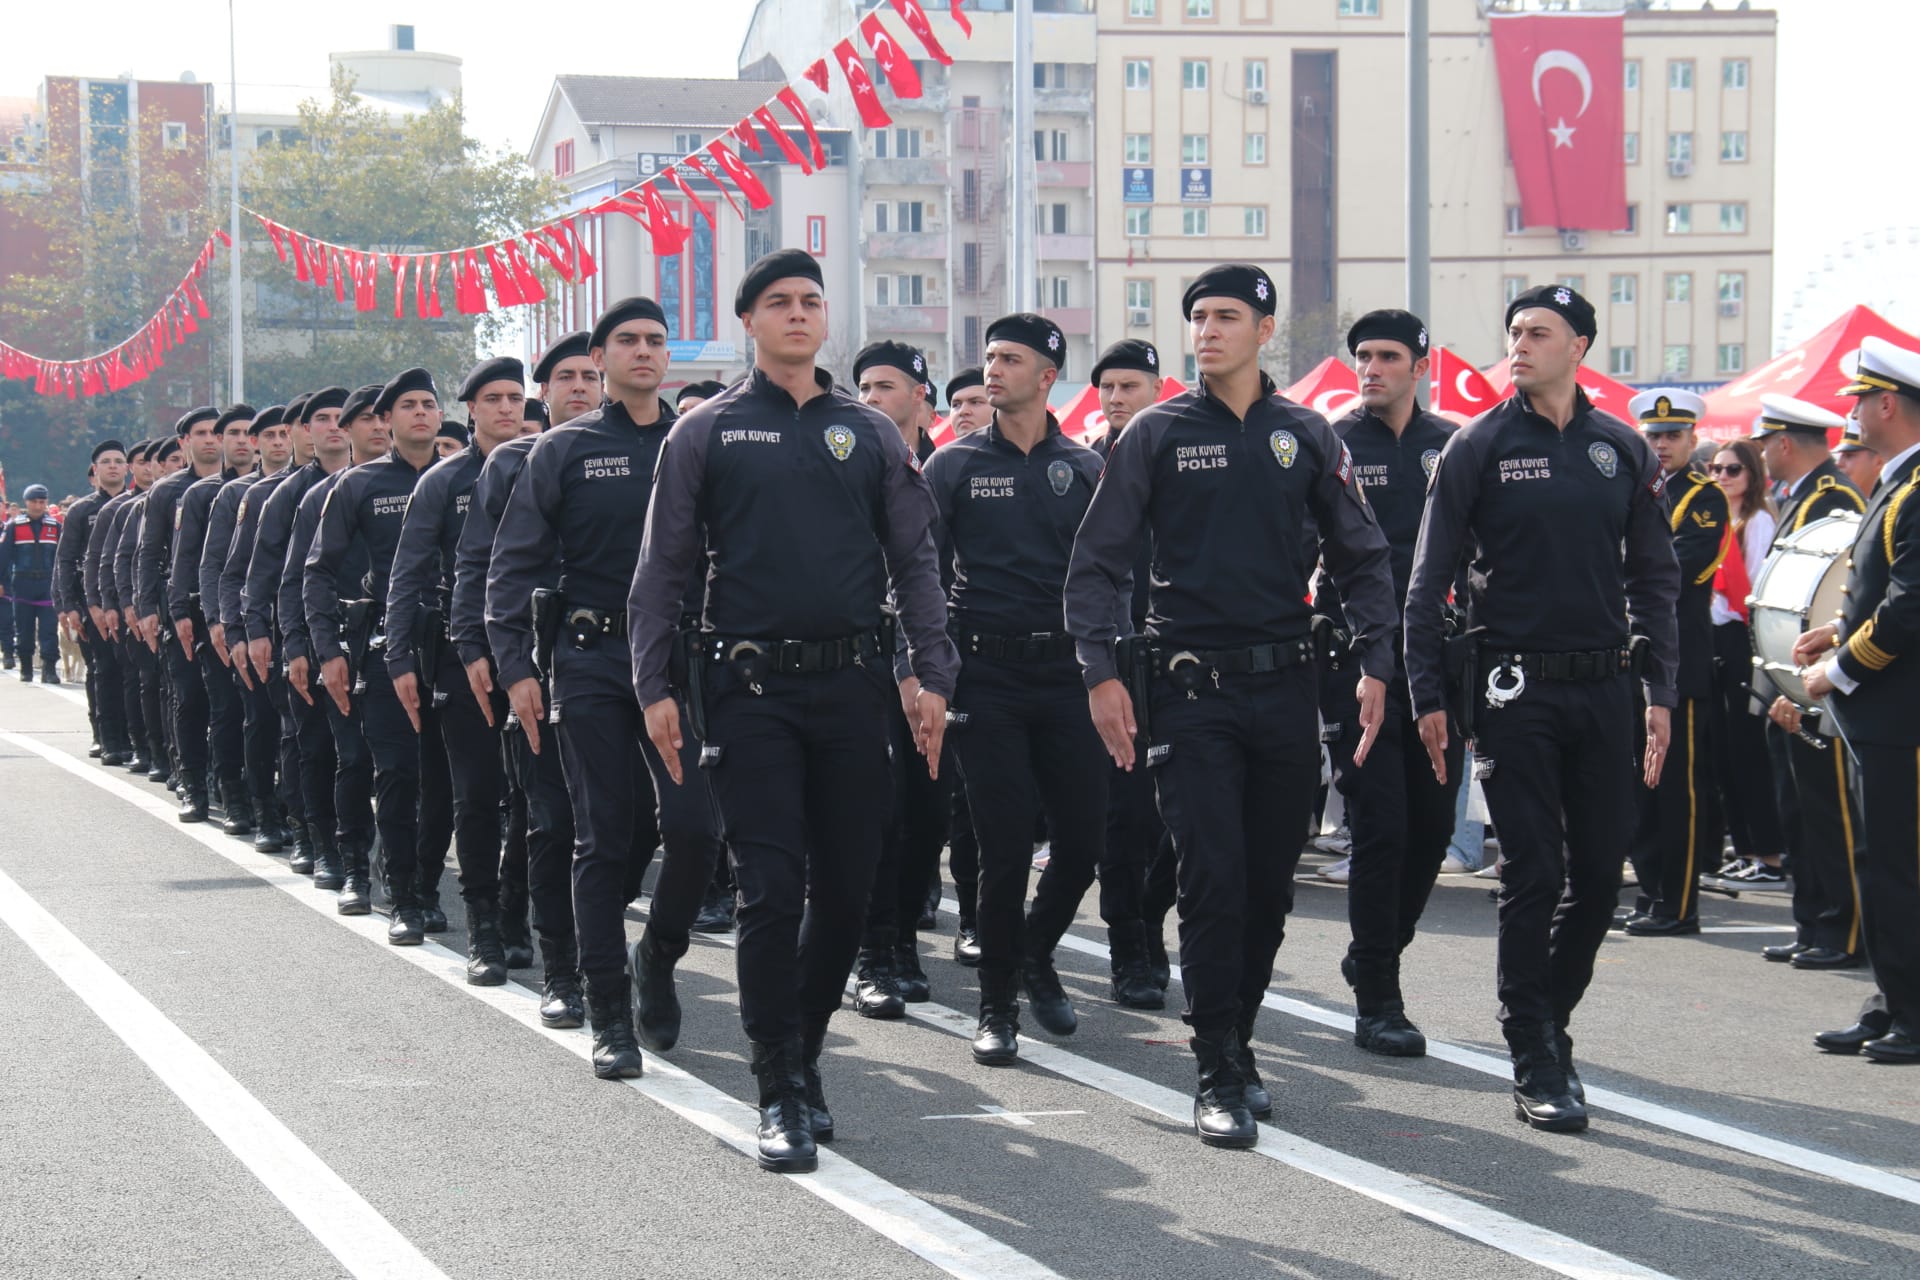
[{"x": 1562, "y": 78}]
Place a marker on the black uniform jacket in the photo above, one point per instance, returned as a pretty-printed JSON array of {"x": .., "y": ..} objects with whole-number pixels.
[
  {"x": 422, "y": 577},
  {"x": 153, "y": 554},
  {"x": 1881, "y": 622},
  {"x": 1822, "y": 492},
  {"x": 467, "y": 616},
  {"x": 1697, "y": 514},
  {"x": 71, "y": 552},
  {"x": 246, "y": 536},
  {"x": 359, "y": 528},
  {"x": 190, "y": 539},
  {"x": 268, "y": 561},
  {"x": 290, "y": 607}
]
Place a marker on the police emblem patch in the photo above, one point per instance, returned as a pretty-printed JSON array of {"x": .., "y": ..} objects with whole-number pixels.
[
  {"x": 1285, "y": 447},
  {"x": 241, "y": 514},
  {"x": 1604, "y": 458},
  {"x": 840, "y": 442},
  {"x": 1563, "y": 296},
  {"x": 1060, "y": 476},
  {"x": 1429, "y": 460}
]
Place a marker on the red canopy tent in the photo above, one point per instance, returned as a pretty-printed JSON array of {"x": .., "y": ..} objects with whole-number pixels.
[
  {"x": 1602, "y": 390},
  {"x": 1083, "y": 420},
  {"x": 1810, "y": 372},
  {"x": 1330, "y": 389}
]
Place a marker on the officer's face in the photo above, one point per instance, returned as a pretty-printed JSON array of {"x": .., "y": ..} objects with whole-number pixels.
[
  {"x": 1388, "y": 372},
  {"x": 110, "y": 469},
  {"x": 788, "y": 322},
  {"x": 275, "y": 445},
  {"x": 1862, "y": 466},
  {"x": 142, "y": 472},
  {"x": 1017, "y": 375},
  {"x": 1226, "y": 337},
  {"x": 302, "y": 438},
  {"x": 236, "y": 445},
  {"x": 573, "y": 389},
  {"x": 1125, "y": 392},
  {"x": 370, "y": 436},
  {"x": 893, "y": 393},
  {"x": 971, "y": 410},
  {"x": 36, "y": 507},
  {"x": 414, "y": 418},
  {"x": 635, "y": 358},
  {"x": 1542, "y": 349},
  {"x": 328, "y": 433},
  {"x": 169, "y": 464},
  {"x": 497, "y": 413},
  {"x": 1777, "y": 452},
  {"x": 202, "y": 443},
  {"x": 1673, "y": 448}
]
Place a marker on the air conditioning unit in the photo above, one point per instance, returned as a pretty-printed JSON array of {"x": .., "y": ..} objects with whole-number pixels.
[
  {"x": 1258, "y": 97},
  {"x": 1139, "y": 318},
  {"x": 1730, "y": 309},
  {"x": 1573, "y": 241},
  {"x": 1679, "y": 168}
]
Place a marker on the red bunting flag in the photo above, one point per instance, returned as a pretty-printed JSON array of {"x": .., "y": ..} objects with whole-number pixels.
[
  {"x": 743, "y": 133},
  {"x": 818, "y": 74},
  {"x": 700, "y": 206},
  {"x": 524, "y": 279},
  {"x": 736, "y": 168},
  {"x": 694, "y": 163},
  {"x": 397, "y": 263},
  {"x": 791, "y": 101},
  {"x": 865, "y": 97},
  {"x": 960, "y": 19},
  {"x": 505, "y": 287},
  {"x": 916, "y": 20},
  {"x": 901, "y": 77},
  {"x": 779, "y": 135}
]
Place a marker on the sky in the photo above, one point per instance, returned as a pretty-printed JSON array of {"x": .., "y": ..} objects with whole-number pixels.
[{"x": 1844, "y": 97}]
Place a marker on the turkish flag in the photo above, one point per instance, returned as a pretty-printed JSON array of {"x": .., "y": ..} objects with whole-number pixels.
[
  {"x": 1457, "y": 388},
  {"x": 901, "y": 77},
  {"x": 1331, "y": 389},
  {"x": 865, "y": 97},
  {"x": 1562, "y": 78}
]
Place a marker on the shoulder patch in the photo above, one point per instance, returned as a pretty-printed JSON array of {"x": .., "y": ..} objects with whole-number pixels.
[{"x": 1698, "y": 477}]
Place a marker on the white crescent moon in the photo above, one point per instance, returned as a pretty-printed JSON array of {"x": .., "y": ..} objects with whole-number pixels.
[
  {"x": 1324, "y": 406},
  {"x": 1460, "y": 385},
  {"x": 1561, "y": 60}
]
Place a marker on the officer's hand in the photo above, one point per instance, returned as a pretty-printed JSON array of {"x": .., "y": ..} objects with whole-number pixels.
[
  {"x": 333, "y": 675},
  {"x": 663, "y": 728},
  {"x": 1812, "y": 644},
  {"x": 1784, "y": 714},
  {"x": 298, "y": 676},
  {"x": 150, "y": 631},
  {"x": 1373, "y": 712},
  {"x": 260, "y": 653},
  {"x": 407, "y": 688},
  {"x": 929, "y": 722},
  {"x": 1659, "y": 730},
  {"x": 217, "y": 638},
  {"x": 1819, "y": 679},
  {"x": 909, "y": 693},
  {"x": 524, "y": 696},
  {"x": 1112, "y": 709},
  {"x": 1433, "y": 735},
  {"x": 183, "y": 628},
  {"x": 99, "y": 617},
  {"x": 133, "y": 627},
  {"x": 480, "y": 680},
  {"x": 239, "y": 665}
]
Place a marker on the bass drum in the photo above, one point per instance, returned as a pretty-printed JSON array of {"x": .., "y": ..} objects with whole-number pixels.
[{"x": 1798, "y": 588}]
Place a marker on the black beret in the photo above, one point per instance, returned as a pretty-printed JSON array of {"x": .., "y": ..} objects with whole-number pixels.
[
  {"x": 699, "y": 390},
  {"x": 498, "y": 369},
  {"x": 107, "y": 446},
  {"x": 330, "y": 398},
  {"x": 291, "y": 415},
  {"x": 634, "y": 308},
  {"x": 205, "y": 413},
  {"x": 890, "y": 355},
  {"x": 138, "y": 453},
  {"x": 781, "y": 264},
  {"x": 1240, "y": 280},
  {"x": 234, "y": 414},
  {"x": 165, "y": 449},
  {"x": 535, "y": 410},
  {"x": 971, "y": 376},
  {"x": 450, "y": 430},
  {"x": 574, "y": 344},
  {"x": 1403, "y": 327},
  {"x": 1573, "y": 308},
  {"x": 402, "y": 383},
  {"x": 274, "y": 415},
  {"x": 1030, "y": 330},
  {"x": 1128, "y": 353},
  {"x": 351, "y": 406}
]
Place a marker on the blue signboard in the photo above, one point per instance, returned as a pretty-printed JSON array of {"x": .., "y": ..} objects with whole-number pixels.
[
  {"x": 1196, "y": 186},
  {"x": 1137, "y": 185}
]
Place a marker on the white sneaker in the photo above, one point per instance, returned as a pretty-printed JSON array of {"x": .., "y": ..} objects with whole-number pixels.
[
  {"x": 1452, "y": 866},
  {"x": 1337, "y": 871},
  {"x": 1337, "y": 842},
  {"x": 1489, "y": 872}
]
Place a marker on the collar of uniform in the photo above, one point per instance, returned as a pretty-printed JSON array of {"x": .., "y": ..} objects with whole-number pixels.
[
  {"x": 615, "y": 412},
  {"x": 994, "y": 434},
  {"x": 1268, "y": 389},
  {"x": 1581, "y": 405},
  {"x": 762, "y": 385},
  {"x": 1899, "y": 460}
]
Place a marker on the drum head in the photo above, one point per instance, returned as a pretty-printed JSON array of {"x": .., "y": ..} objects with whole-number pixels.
[{"x": 1798, "y": 588}]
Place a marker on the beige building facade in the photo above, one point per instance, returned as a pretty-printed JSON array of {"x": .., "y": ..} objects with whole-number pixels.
[{"x": 1271, "y": 131}]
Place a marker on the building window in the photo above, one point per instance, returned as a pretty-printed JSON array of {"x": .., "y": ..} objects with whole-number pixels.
[
  {"x": 1256, "y": 148},
  {"x": 970, "y": 339},
  {"x": 1676, "y": 360},
  {"x": 1680, "y": 148},
  {"x": 1193, "y": 73},
  {"x": 563, "y": 158},
  {"x": 1256, "y": 221},
  {"x": 1576, "y": 283},
  {"x": 882, "y": 291},
  {"x": 1733, "y": 73},
  {"x": 1630, "y": 148},
  {"x": 1620, "y": 362},
  {"x": 1513, "y": 286},
  {"x": 1679, "y": 286},
  {"x": 1059, "y": 292},
  {"x": 1633, "y": 74},
  {"x": 1193, "y": 222},
  {"x": 906, "y": 144},
  {"x": 264, "y": 138},
  {"x": 1200, "y": 8},
  {"x": 1139, "y": 295},
  {"x": 1139, "y": 148},
  {"x": 1139, "y": 73},
  {"x": 1633, "y": 219},
  {"x": 1733, "y": 291},
  {"x": 1680, "y": 74},
  {"x": 879, "y": 143},
  {"x": 1514, "y": 224},
  {"x": 173, "y": 135},
  {"x": 881, "y": 214},
  {"x": 687, "y": 143},
  {"x": 1193, "y": 148},
  {"x": 909, "y": 291},
  {"x": 1359, "y": 8},
  {"x": 1256, "y": 75},
  {"x": 1049, "y": 144},
  {"x": 1679, "y": 219},
  {"x": 1733, "y": 218},
  {"x": 1733, "y": 147},
  {"x": 817, "y": 235},
  {"x": 1053, "y": 220},
  {"x": 907, "y": 215},
  {"x": 1141, "y": 9},
  {"x": 1624, "y": 290},
  {"x": 1190, "y": 367},
  {"x": 1049, "y": 75},
  {"x": 1139, "y": 222},
  {"x": 1732, "y": 357}
]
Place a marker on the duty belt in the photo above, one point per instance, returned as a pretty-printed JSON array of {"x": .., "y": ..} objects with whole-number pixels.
[
  {"x": 1253, "y": 660},
  {"x": 1590, "y": 665},
  {"x": 580, "y": 623},
  {"x": 792, "y": 657},
  {"x": 1041, "y": 646}
]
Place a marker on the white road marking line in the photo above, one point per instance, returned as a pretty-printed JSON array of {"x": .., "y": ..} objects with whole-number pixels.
[
  {"x": 1805, "y": 1159},
  {"x": 988, "y": 1111},
  {"x": 1549, "y": 1249},
  {"x": 943, "y": 1240},
  {"x": 349, "y": 1228}
]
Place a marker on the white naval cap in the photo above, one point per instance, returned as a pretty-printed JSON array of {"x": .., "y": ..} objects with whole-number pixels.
[
  {"x": 1850, "y": 441},
  {"x": 1666, "y": 409},
  {"x": 1880, "y": 366},
  {"x": 1784, "y": 413}
]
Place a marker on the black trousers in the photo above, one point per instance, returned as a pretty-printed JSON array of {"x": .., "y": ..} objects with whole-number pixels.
[
  {"x": 1134, "y": 835},
  {"x": 352, "y": 780},
  {"x": 543, "y": 782},
  {"x": 141, "y": 697},
  {"x": 291, "y": 783},
  {"x": 963, "y": 847},
  {"x": 1742, "y": 771},
  {"x": 1821, "y": 815},
  {"x": 1401, "y": 820},
  {"x": 260, "y": 739},
  {"x": 394, "y": 749},
  {"x": 919, "y": 813},
  {"x": 1889, "y": 787},
  {"x": 1237, "y": 769},
  {"x": 36, "y": 621},
  {"x": 472, "y": 752},
  {"x": 106, "y": 689},
  {"x": 619, "y": 814},
  {"x": 435, "y": 835},
  {"x": 1028, "y": 745},
  {"x": 226, "y": 727},
  {"x": 1679, "y": 836},
  {"x": 798, "y": 769},
  {"x": 189, "y": 703},
  {"x": 1558, "y": 768}
]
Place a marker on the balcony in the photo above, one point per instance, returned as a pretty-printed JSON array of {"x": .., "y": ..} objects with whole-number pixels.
[
  {"x": 1061, "y": 248},
  {"x": 1077, "y": 174},
  {"x": 912, "y": 171},
  {"x": 906, "y": 319},
  {"x": 1075, "y": 322},
  {"x": 1077, "y": 102},
  {"x": 907, "y": 246}
]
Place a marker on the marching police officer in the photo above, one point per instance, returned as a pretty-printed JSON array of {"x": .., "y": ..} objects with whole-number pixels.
[
  {"x": 1228, "y": 480},
  {"x": 97, "y": 588},
  {"x": 1400, "y": 813},
  {"x": 569, "y": 380},
  {"x": 1572, "y": 554},
  {"x": 805, "y": 506},
  {"x": 967, "y": 400},
  {"x": 1868, "y": 665},
  {"x": 104, "y": 701},
  {"x": 156, "y": 698},
  {"x": 28, "y": 546}
]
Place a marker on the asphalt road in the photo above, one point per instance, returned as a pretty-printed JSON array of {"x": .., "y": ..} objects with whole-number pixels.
[{"x": 206, "y": 1072}]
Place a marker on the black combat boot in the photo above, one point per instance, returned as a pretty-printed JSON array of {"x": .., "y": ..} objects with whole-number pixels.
[
  {"x": 1157, "y": 962},
  {"x": 1045, "y": 996},
  {"x": 486, "y": 958},
  {"x": 875, "y": 994},
  {"x": 561, "y": 1006},
  {"x": 49, "y": 674},
  {"x": 716, "y": 913},
  {"x": 193, "y": 797},
  {"x": 814, "y": 1040},
  {"x": 1252, "y": 1087},
  {"x": 514, "y": 934},
  {"x": 238, "y": 807},
  {"x": 407, "y": 927},
  {"x": 655, "y": 1003},
  {"x": 1563, "y": 1050},
  {"x": 996, "y": 1041},
  {"x": 1384, "y": 1029},
  {"x": 329, "y": 869},
  {"x": 426, "y": 896},
  {"x": 966, "y": 945},
  {"x": 272, "y": 833},
  {"x": 616, "y": 1055},
  {"x": 1133, "y": 984},
  {"x": 786, "y": 1121},
  {"x": 356, "y": 886},
  {"x": 908, "y": 977},
  {"x": 1541, "y": 1096},
  {"x": 1220, "y": 1114},
  {"x": 301, "y": 860}
]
